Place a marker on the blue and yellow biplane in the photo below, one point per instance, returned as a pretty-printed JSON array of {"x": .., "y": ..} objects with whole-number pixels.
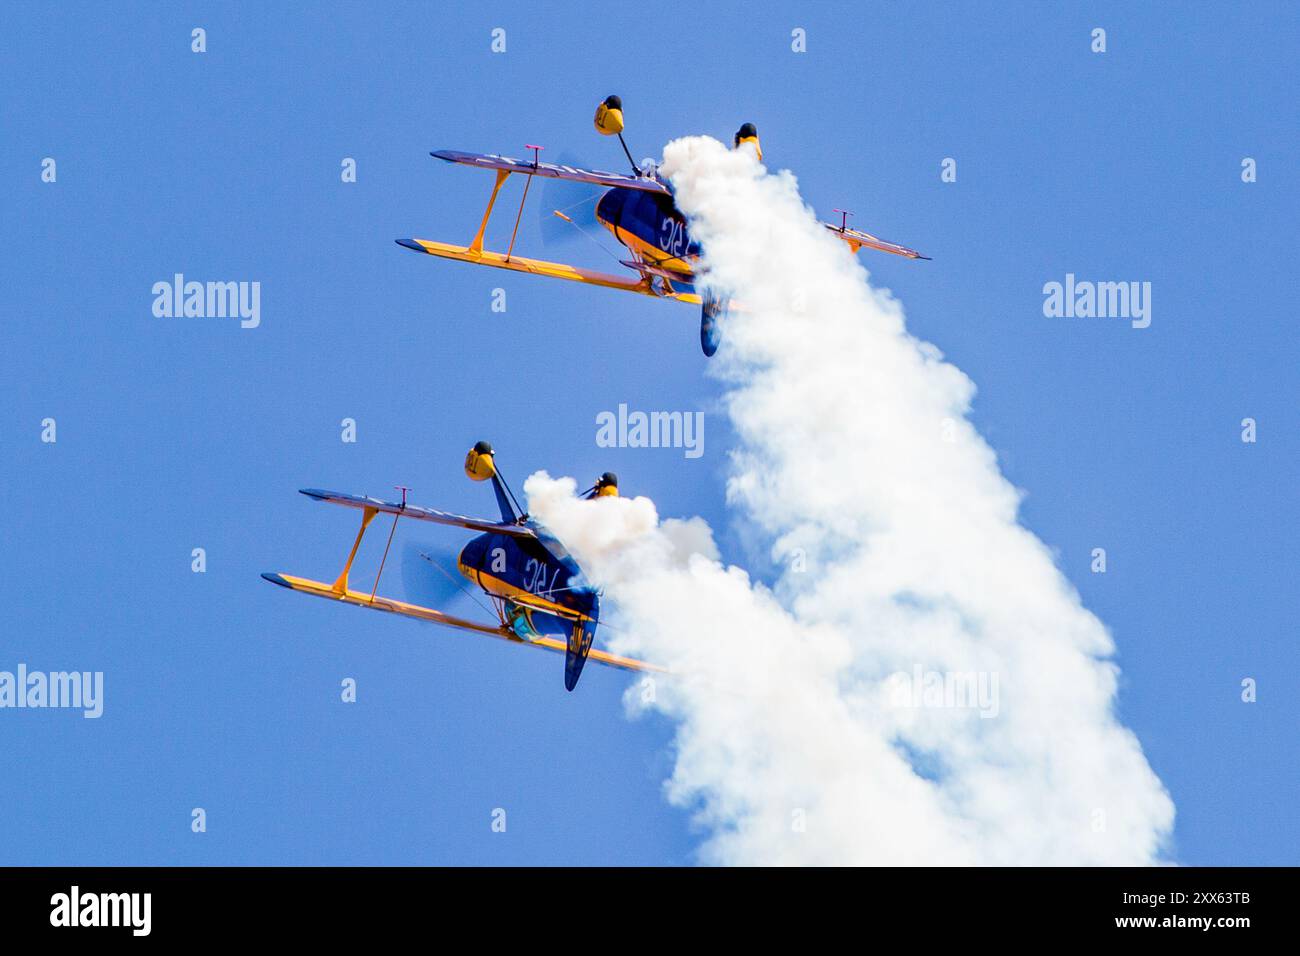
[
  {"x": 535, "y": 586},
  {"x": 638, "y": 209}
]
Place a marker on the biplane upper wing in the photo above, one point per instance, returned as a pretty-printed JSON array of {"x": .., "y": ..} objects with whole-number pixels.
[
  {"x": 421, "y": 514},
  {"x": 393, "y": 606},
  {"x": 597, "y": 177},
  {"x": 856, "y": 239}
]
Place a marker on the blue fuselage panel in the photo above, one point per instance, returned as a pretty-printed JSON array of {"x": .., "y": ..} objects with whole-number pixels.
[
  {"x": 649, "y": 224},
  {"x": 530, "y": 574}
]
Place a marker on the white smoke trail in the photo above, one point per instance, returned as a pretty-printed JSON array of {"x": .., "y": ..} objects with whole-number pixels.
[{"x": 812, "y": 727}]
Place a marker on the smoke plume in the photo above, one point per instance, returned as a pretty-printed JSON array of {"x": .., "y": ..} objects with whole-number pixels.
[{"x": 920, "y": 684}]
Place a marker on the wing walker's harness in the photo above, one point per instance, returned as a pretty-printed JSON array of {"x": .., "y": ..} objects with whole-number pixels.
[{"x": 523, "y": 515}]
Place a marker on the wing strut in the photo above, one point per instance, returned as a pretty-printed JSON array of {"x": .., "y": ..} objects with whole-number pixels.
[
  {"x": 384, "y": 559},
  {"x": 537, "y": 155},
  {"x": 340, "y": 585},
  {"x": 477, "y": 244},
  {"x": 511, "y": 248}
]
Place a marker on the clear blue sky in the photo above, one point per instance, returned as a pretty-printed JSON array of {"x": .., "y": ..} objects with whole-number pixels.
[{"x": 222, "y": 692}]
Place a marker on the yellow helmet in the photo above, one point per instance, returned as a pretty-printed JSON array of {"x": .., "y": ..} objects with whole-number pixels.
[
  {"x": 609, "y": 116},
  {"x": 748, "y": 133},
  {"x": 479, "y": 465}
]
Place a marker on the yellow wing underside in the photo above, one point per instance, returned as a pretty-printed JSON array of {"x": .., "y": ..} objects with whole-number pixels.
[
  {"x": 393, "y": 606},
  {"x": 555, "y": 270}
]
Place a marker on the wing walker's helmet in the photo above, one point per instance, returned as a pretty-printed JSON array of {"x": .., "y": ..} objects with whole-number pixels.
[
  {"x": 479, "y": 465},
  {"x": 609, "y": 116},
  {"x": 607, "y": 485},
  {"x": 748, "y": 133}
]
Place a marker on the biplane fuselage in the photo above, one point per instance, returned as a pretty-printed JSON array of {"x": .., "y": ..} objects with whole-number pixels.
[
  {"x": 651, "y": 226},
  {"x": 540, "y": 585}
]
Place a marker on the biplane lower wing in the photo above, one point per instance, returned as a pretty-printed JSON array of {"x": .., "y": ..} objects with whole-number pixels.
[
  {"x": 421, "y": 514},
  {"x": 381, "y": 603},
  {"x": 393, "y": 606},
  {"x": 541, "y": 267}
]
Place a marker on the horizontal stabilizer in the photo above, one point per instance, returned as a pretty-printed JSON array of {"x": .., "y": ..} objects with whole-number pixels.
[{"x": 856, "y": 239}]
